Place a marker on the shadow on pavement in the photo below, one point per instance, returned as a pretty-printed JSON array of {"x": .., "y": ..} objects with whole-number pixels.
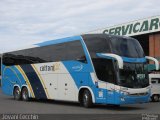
[{"x": 73, "y": 104}]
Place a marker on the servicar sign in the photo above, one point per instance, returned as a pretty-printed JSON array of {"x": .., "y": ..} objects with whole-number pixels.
[{"x": 135, "y": 28}]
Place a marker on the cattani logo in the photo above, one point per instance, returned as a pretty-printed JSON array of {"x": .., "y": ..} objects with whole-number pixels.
[
  {"x": 77, "y": 67},
  {"x": 53, "y": 67}
]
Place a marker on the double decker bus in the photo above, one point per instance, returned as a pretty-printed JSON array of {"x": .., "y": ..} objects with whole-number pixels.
[{"x": 89, "y": 69}]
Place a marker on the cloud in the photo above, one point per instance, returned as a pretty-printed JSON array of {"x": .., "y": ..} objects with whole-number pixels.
[{"x": 24, "y": 22}]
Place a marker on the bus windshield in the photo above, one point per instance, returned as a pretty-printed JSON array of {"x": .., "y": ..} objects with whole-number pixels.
[
  {"x": 133, "y": 75},
  {"x": 127, "y": 47}
]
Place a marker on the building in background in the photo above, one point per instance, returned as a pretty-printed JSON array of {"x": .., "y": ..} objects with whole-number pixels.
[{"x": 147, "y": 31}]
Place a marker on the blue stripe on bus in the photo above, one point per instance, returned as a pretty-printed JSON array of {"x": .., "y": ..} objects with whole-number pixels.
[
  {"x": 135, "y": 60},
  {"x": 10, "y": 77},
  {"x": 34, "y": 81},
  {"x": 125, "y": 59}
]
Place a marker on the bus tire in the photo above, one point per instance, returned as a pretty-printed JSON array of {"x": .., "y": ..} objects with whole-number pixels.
[
  {"x": 117, "y": 106},
  {"x": 155, "y": 98},
  {"x": 25, "y": 95},
  {"x": 87, "y": 99},
  {"x": 17, "y": 93}
]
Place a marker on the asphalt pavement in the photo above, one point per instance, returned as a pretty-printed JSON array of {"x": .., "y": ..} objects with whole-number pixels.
[{"x": 63, "y": 109}]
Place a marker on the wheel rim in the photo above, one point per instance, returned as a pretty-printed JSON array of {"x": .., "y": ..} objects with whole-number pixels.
[
  {"x": 85, "y": 99},
  {"x": 156, "y": 98},
  {"x": 17, "y": 93},
  {"x": 24, "y": 95}
]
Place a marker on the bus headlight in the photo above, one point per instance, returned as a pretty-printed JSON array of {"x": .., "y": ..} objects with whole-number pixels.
[
  {"x": 126, "y": 93},
  {"x": 122, "y": 99}
]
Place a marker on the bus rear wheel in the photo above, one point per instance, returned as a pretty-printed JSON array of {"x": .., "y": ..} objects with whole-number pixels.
[
  {"x": 87, "y": 99},
  {"x": 17, "y": 93},
  {"x": 25, "y": 96}
]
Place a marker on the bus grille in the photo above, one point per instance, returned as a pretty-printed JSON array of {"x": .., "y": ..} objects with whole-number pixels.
[{"x": 139, "y": 94}]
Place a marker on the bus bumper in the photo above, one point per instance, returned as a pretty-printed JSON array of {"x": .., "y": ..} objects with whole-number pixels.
[{"x": 134, "y": 99}]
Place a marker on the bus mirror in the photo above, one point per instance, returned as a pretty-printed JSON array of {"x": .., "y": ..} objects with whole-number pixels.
[
  {"x": 112, "y": 56},
  {"x": 155, "y": 61},
  {"x": 82, "y": 59}
]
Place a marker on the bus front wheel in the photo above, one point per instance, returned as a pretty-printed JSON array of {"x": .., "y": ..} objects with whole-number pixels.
[
  {"x": 25, "y": 96},
  {"x": 87, "y": 99},
  {"x": 155, "y": 98},
  {"x": 17, "y": 93}
]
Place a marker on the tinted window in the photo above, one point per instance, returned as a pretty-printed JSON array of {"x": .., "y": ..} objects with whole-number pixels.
[
  {"x": 153, "y": 82},
  {"x": 52, "y": 53},
  {"x": 127, "y": 47},
  {"x": 133, "y": 75},
  {"x": 104, "y": 69},
  {"x": 96, "y": 44},
  {"x": 156, "y": 79}
]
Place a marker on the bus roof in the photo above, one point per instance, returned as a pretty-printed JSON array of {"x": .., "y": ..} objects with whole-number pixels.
[
  {"x": 67, "y": 39},
  {"x": 61, "y": 40},
  {"x": 46, "y": 43}
]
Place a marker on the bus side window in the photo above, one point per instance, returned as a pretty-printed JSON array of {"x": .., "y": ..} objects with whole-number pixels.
[
  {"x": 153, "y": 82},
  {"x": 67, "y": 51},
  {"x": 75, "y": 51},
  {"x": 8, "y": 61}
]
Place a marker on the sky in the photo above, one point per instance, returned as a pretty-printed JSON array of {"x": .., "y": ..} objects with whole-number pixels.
[{"x": 27, "y": 22}]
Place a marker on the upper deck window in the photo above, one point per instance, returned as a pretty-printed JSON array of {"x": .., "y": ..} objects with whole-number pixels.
[
  {"x": 52, "y": 53},
  {"x": 122, "y": 46},
  {"x": 126, "y": 47}
]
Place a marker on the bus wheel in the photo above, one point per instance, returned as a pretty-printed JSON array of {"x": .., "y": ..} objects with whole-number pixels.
[
  {"x": 25, "y": 96},
  {"x": 155, "y": 98},
  {"x": 87, "y": 99},
  {"x": 17, "y": 93}
]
